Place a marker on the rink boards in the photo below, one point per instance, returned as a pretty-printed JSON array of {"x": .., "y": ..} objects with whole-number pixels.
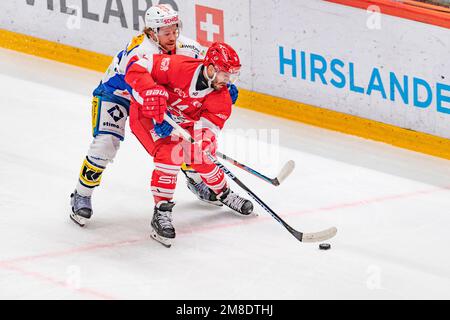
[{"x": 355, "y": 71}]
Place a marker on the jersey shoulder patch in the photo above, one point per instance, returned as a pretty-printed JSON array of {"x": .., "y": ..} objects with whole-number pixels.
[
  {"x": 137, "y": 41},
  {"x": 190, "y": 48}
]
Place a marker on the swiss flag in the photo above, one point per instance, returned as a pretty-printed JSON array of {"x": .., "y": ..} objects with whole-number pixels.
[{"x": 209, "y": 23}]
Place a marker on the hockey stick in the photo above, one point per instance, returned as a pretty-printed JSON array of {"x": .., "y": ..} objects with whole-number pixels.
[
  {"x": 287, "y": 169},
  {"x": 303, "y": 237},
  {"x": 284, "y": 172}
]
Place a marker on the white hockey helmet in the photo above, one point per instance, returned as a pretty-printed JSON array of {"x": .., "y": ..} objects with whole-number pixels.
[{"x": 161, "y": 15}]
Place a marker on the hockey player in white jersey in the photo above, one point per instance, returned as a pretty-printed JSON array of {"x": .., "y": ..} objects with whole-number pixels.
[{"x": 111, "y": 103}]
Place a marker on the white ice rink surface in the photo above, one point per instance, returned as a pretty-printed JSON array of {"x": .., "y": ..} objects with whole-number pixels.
[{"x": 391, "y": 208}]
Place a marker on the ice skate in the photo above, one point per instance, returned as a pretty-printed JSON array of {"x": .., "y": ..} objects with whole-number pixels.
[
  {"x": 81, "y": 208},
  {"x": 203, "y": 192},
  {"x": 235, "y": 202},
  {"x": 195, "y": 183},
  {"x": 162, "y": 228}
]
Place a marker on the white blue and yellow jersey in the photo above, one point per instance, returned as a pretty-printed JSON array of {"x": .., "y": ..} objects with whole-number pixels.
[{"x": 113, "y": 85}]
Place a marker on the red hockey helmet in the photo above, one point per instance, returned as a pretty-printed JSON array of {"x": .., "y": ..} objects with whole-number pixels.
[{"x": 223, "y": 58}]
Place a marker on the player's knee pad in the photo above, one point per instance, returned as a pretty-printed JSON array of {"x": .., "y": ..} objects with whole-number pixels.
[
  {"x": 91, "y": 173},
  {"x": 109, "y": 116},
  {"x": 103, "y": 149}
]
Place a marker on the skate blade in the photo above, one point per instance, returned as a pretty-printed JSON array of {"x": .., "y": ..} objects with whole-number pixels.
[
  {"x": 214, "y": 203},
  {"x": 237, "y": 213},
  {"x": 251, "y": 214},
  {"x": 80, "y": 221},
  {"x": 166, "y": 242}
]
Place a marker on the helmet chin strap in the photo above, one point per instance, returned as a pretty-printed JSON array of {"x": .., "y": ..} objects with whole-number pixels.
[
  {"x": 155, "y": 32},
  {"x": 210, "y": 80},
  {"x": 157, "y": 41}
]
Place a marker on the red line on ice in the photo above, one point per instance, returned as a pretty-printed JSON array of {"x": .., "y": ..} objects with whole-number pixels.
[
  {"x": 84, "y": 291},
  {"x": 8, "y": 264},
  {"x": 206, "y": 228}
]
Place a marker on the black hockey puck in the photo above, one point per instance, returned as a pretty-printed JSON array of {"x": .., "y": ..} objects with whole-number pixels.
[{"x": 324, "y": 246}]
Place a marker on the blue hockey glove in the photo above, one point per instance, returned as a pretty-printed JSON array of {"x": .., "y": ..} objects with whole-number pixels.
[
  {"x": 234, "y": 92},
  {"x": 163, "y": 129}
]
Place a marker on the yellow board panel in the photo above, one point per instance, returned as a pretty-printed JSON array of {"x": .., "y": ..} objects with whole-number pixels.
[
  {"x": 328, "y": 119},
  {"x": 54, "y": 51}
]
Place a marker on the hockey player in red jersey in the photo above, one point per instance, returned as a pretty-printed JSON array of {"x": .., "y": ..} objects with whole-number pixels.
[{"x": 194, "y": 93}]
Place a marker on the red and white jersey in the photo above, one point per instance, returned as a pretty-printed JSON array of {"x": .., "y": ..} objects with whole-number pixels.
[{"x": 205, "y": 108}]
